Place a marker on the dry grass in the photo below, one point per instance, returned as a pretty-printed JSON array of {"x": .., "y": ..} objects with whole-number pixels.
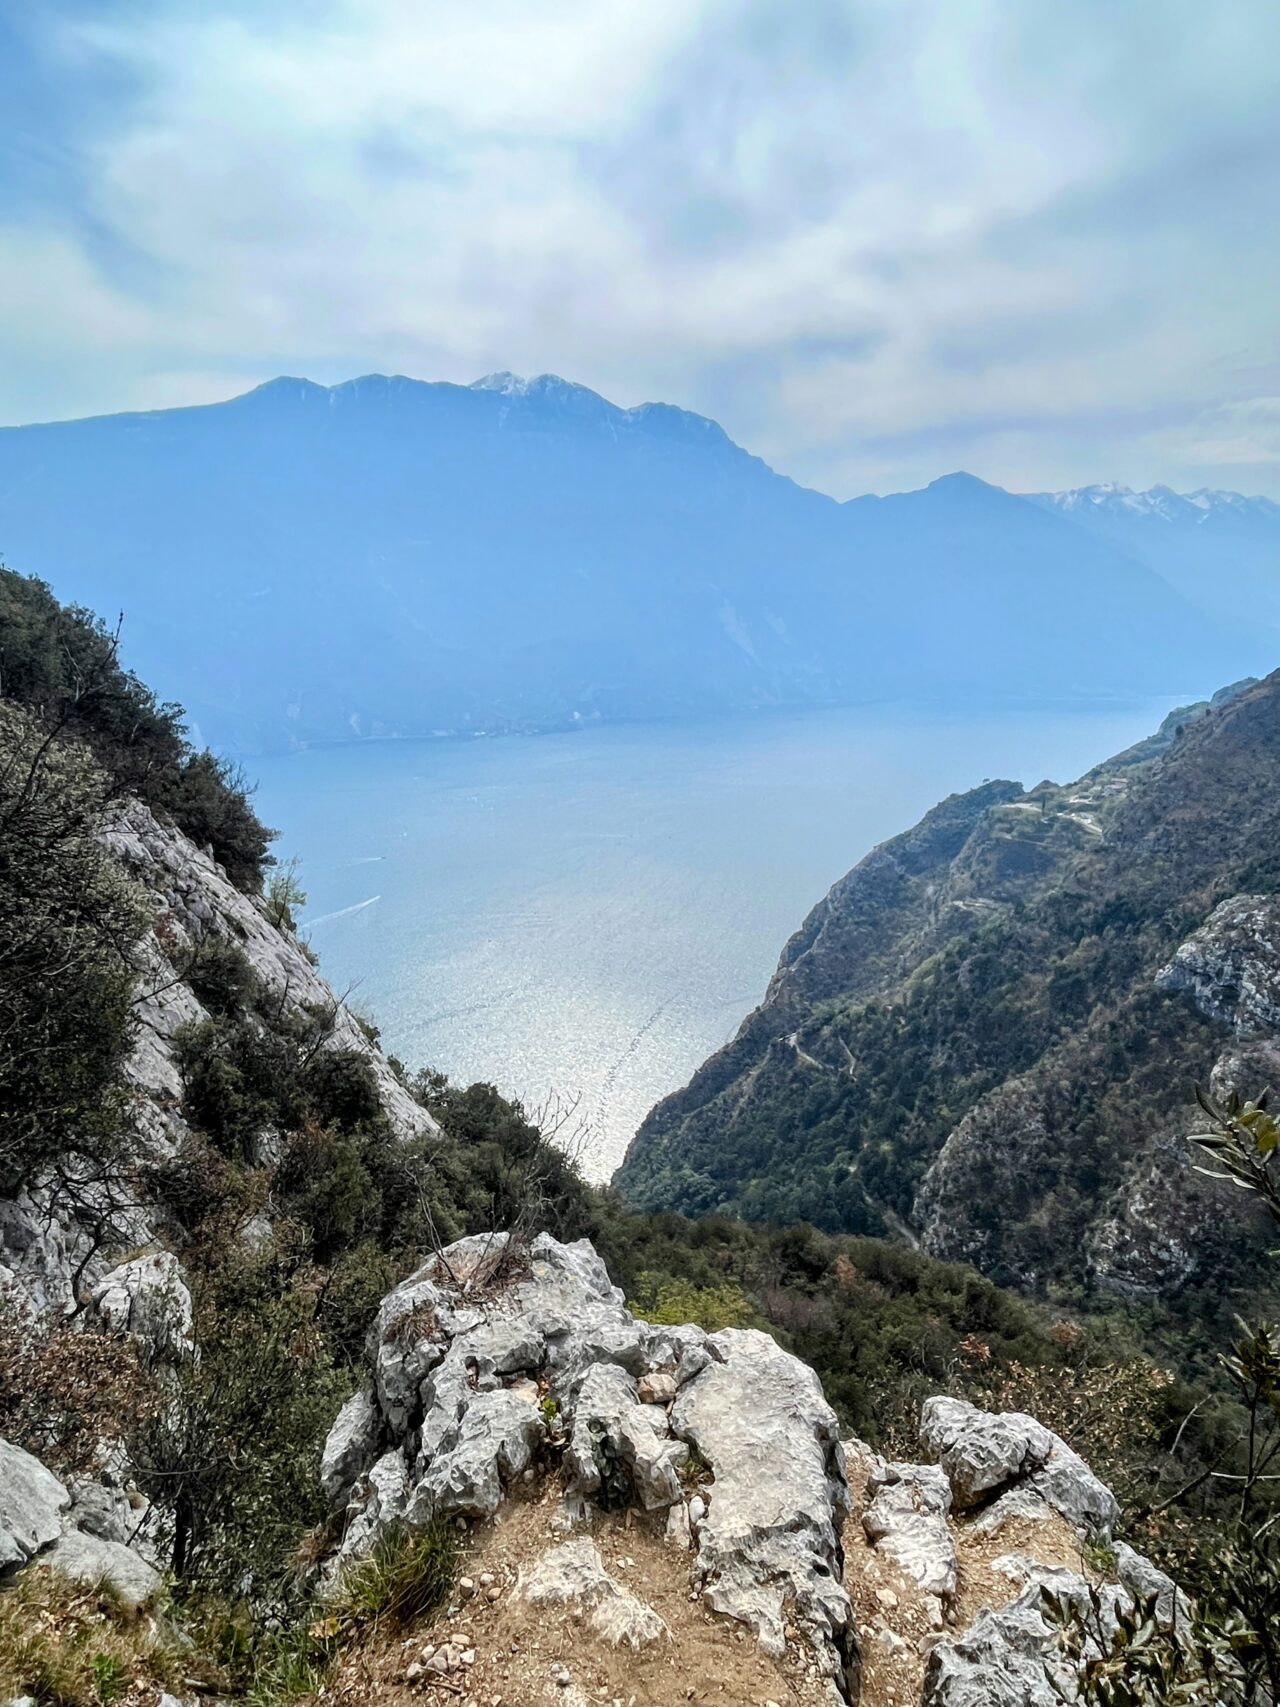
[{"x": 71, "y": 1646}]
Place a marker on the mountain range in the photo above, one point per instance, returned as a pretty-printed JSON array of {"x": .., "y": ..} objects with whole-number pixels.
[{"x": 389, "y": 557}]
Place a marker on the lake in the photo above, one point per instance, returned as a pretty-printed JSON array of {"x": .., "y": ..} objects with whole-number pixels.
[{"x": 591, "y": 914}]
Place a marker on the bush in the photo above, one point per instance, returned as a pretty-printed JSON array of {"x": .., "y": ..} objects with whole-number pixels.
[
  {"x": 61, "y": 664},
  {"x": 69, "y": 929}
]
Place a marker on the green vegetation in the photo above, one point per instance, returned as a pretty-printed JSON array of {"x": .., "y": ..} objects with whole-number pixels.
[
  {"x": 296, "y": 1208},
  {"x": 998, "y": 962},
  {"x": 68, "y": 1645},
  {"x": 1229, "y": 1654},
  {"x": 61, "y": 665},
  {"x": 406, "y": 1577}
]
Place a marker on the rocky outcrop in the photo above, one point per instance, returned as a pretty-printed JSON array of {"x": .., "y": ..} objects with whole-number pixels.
[
  {"x": 194, "y": 899},
  {"x": 906, "y": 1518},
  {"x": 41, "y": 1523},
  {"x": 513, "y": 1384},
  {"x": 50, "y": 1258},
  {"x": 147, "y": 1300},
  {"x": 1231, "y": 966},
  {"x": 491, "y": 1359},
  {"x": 986, "y": 1455},
  {"x": 771, "y": 1536}
]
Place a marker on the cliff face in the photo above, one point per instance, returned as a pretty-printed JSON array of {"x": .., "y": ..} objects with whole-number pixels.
[
  {"x": 47, "y": 1255},
  {"x": 987, "y": 1035}
]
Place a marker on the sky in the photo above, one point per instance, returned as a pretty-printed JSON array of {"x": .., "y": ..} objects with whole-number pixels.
[{"x": 878, "y": 240}]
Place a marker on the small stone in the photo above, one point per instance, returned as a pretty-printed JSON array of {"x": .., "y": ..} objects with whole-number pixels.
[
  {"x": 657, "y": 1389},
  {"x": 413, "y": 1671},
  {"x": 492, "y": 1594},
  {"x": 467, "y": 1657},
  {"x": 697, "y": 1509},
  {"x": 486, "y": 1579},
  {"x": 466, "y": 1587},
  {"x": 462, "y": 1524},
  {"x": 527, "y": 1476},
  {"x": 562, "y": 1677},
  {"x": 887, "y": 1598}
]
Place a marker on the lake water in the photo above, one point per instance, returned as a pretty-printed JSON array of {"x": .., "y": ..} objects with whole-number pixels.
[{"x": 592, "y": 914}]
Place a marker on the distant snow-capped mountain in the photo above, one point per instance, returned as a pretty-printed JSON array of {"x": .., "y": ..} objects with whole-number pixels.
[
  {"x": 1193, "y": 508},
  {"x": 1221, "y": 550}
]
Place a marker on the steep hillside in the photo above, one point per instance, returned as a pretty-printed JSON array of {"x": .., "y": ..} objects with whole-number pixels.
[
  {"x": 986, "y": 1036},
  {"x": 388, "y": 557}
]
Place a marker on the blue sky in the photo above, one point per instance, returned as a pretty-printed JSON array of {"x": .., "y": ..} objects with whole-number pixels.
[{"x": 878, "y": 240}]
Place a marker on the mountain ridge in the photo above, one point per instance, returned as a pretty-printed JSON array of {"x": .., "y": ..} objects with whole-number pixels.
[
  {"x": 394, "y": 557},
  {"x": 976, "y": 1034}
]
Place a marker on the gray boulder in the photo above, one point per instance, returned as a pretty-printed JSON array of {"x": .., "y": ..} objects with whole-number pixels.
[
  {"x": 906, "y": 1520},
  {"x": 32, "y": 1501},
  {"x": 771, "y": 1535},
  {"x": 89, "y": 1559},
  {"x": 350, "y": 1445},
  {"x": 492, "y": 1440},
  {"x": 984, "y": 1453}
]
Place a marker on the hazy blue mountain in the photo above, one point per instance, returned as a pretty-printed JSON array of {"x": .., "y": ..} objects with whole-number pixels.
[
  {"x": 392, "y": 557},
  {"x": 1219, "y": 549}
]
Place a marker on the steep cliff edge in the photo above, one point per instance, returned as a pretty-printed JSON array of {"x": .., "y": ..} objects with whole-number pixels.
[
  {"x": 974, "y": 1040},
  {"x": 56, "y": 1243}
]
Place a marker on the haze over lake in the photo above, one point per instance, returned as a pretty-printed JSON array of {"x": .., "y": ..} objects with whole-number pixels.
[{"x": 594, "y": 913}]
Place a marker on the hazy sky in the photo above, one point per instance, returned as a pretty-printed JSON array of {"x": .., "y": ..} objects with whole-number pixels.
[{"x": 877, "y": 239}]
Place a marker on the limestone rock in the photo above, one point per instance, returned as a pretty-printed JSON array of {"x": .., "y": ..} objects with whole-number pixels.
[
  {"x": 771, "y": 1534},
  {"x": 574, "y": 1573},
  {"x": 32, "y": 1501},
  {"x": 148, "y": 1300},
  {"x": 1230, "y": 967},
  {"x": 980, "y": 1450},
  {"x": 492, "y": 1440},
  {"x": 89, "y": 1559},
  {"x": 985, "y": 1452},
  {"x": 1007, "y": 1658},
  {"x": 350, "y": 1444},
  {"x": 906, "y": 1519}
]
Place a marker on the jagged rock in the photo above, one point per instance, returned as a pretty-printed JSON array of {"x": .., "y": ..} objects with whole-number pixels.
[
  {"x": 377, "y": 1503},
  {"x": 493, "y": 1439},
  {"x": 148, "y": 1300},
  {"x": 984, "y": 1452},
  {"x": 350, "y": 1445},
  {"x": 1148, "y": 1581},
  {"x": 614, "y": 1434},
  {"x": 907, "y": 1521},
  {"x": 89, "y": 1559},
  {"x": 1231, "y": 965},
  {"x": 574, "y": 1572},
  {"x": 1019, "y": 1502},
  {"x": 771, "y": 1533},
  {"x": 32, "y": 1501},
  {"x": 1007, "y": 1658},
  {"x": 981, "y": 1451}
]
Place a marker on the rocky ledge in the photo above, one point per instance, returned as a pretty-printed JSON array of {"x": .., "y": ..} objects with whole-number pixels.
[{"x": 511, "y": 1392}]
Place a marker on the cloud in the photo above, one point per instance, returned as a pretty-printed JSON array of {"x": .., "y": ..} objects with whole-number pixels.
[{"x": 877, "y": 240}]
